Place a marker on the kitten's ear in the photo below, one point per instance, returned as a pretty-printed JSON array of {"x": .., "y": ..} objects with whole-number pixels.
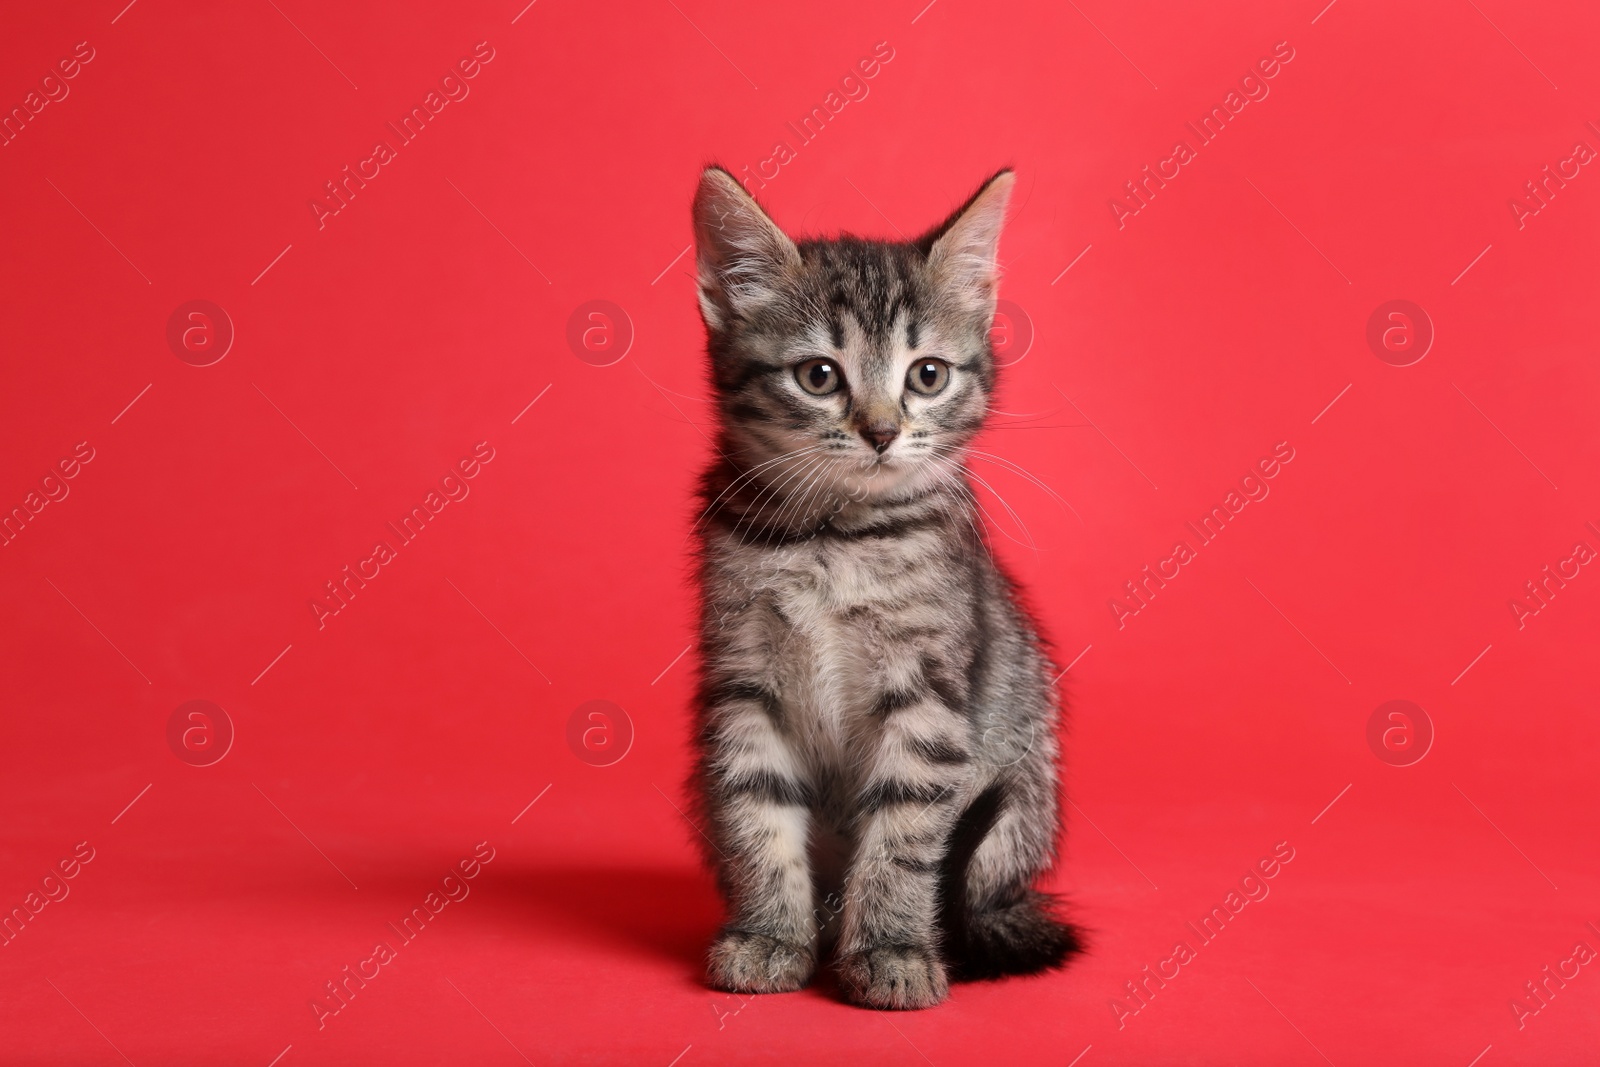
[
  {"x": 741, "y": 256},
  {"x": 963, "y": 251}
]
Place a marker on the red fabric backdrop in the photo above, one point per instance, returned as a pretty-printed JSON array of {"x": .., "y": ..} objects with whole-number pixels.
[{"x": 191, "y": 477}]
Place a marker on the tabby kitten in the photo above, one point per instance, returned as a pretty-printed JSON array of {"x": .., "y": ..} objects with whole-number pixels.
[{"x": 876, "y": 715}]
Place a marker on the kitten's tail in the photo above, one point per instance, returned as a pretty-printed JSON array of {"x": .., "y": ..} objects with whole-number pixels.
[
  {"x": 1016, "y": 932},
  {"x": 1020, "y": 937}
]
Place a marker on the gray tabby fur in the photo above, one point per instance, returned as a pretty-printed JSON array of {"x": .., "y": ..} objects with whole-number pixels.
[{"x": 876, "y": 717}]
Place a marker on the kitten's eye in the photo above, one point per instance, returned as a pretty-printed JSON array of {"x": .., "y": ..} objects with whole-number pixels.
[
  {"x": 819, "y": 377},
  {"x": 928, "y": 376}
]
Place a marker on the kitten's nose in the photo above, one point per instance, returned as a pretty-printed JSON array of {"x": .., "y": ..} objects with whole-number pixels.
[{"x": 880, "y": 436}]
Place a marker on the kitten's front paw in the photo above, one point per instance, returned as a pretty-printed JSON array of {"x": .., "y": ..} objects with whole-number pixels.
[
  {"x": 894, "y": 976},
  {"x": 743, "y": 962}
]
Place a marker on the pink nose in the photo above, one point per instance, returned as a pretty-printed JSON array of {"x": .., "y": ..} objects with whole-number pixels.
[{"x": 880, "y": 437}]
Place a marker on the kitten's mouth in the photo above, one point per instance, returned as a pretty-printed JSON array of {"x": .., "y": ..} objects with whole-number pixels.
[{"x": 876, "y": 475}]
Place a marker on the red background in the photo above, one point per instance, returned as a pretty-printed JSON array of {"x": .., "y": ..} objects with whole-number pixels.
[{"x": 373, "y": 353}]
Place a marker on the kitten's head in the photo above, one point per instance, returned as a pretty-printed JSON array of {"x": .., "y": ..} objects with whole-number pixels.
[{"x": 862, "y": 366}]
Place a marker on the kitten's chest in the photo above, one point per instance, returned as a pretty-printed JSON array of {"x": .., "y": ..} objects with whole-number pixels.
[
  {"x": 841, "y": 609},
  {"x": 821, "y": 584},
  {"x": 828, "y": 656}
]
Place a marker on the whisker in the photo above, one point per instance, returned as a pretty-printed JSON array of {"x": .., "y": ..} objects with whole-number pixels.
[
  {"x": 1009, "y": 510},
  {"x": 751, "y": 473},
  {"x": 965, "y": 495},
  {"x": 800, "y": 499},
  {"x": 816, "y": 487},
  {"x": 1019, "y": 469},
  {"x": 1013, "y": 467},
  {"x": 759, "y": 467},
  {"x": 831, "y": 489},
  {"x": 949, "y": 450},
  {"x": 793, "y": 497},
  {"x": 773, "y": 489},
  {"x": 1024, "y": 417}
]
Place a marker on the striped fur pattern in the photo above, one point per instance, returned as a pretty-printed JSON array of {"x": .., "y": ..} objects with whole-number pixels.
[{"x": 876, "y": 721}]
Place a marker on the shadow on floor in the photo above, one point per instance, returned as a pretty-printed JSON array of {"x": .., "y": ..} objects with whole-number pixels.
[{"x": 670, "y": 914}]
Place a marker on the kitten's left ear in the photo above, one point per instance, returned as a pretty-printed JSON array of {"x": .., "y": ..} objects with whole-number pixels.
[
  {"x": 963, "y": 251},
  {"x": 741, "y": 257}
]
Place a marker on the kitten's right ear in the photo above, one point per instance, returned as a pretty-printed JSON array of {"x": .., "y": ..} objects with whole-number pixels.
[{"x": 741, "y": 257}]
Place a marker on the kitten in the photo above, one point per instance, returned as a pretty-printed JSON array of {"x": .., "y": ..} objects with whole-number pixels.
[{"x": 876, "y": 718}]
